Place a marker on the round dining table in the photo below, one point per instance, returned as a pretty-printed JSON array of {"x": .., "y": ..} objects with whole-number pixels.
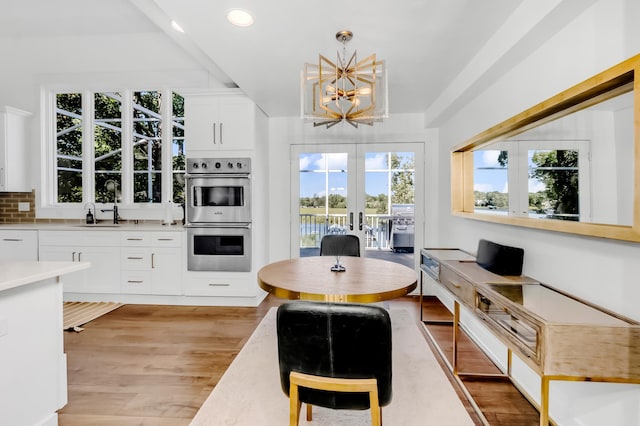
[{"x": 364, "y": 280}]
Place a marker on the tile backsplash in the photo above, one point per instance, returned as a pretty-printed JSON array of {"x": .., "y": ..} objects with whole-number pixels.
[{"x": 9, "y": 202}]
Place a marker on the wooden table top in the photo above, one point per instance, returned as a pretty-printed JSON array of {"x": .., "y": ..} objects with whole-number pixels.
[{"x": 364, "y": 281}]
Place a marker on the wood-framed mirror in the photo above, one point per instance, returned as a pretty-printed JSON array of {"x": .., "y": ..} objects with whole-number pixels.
[{"x": 569, "y": 164}]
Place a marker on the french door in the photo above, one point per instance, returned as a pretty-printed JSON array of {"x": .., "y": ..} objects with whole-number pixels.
[{"x": 373, "y": 191}]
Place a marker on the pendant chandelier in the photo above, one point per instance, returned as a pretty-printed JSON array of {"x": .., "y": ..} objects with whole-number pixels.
[{"x": 351, "y": 90}]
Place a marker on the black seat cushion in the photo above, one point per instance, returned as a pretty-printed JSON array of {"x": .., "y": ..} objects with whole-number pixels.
[
  {"x": 335, "y": 340},
  {"x": 340, "y": 245}
]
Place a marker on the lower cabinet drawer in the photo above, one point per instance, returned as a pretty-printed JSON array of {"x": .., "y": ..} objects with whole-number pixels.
[
  {"x": 457, "y": 285},
  {"x": 220, "y": 286},
  {"x": 135, "y": 282},
  {"x": 131, "y": 258}
]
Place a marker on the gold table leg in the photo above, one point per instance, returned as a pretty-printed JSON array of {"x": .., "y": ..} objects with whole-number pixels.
[
  {"x": 544, "y": 401},
  {"x": 456, "y": 330}
]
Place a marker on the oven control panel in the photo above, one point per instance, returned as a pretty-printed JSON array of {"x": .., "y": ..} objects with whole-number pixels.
[{"x": 218, "y": 165}]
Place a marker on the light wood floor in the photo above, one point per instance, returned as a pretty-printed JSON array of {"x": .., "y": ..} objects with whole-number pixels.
[{"x": 156, "y": 365}]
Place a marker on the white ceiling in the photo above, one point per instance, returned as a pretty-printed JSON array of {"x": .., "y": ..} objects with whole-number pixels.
[
  {"x": 425, "y": 43},
  {"x": 436, "y": 51}
]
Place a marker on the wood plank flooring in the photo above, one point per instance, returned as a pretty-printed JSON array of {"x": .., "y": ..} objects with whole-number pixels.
[
  {"x": 156, "y": 365},
  {"x": 501, "y": 403}
]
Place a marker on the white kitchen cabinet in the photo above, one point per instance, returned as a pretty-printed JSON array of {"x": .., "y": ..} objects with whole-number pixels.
[
  {"x": 151, "y": 263},
  {"x": 219, "y": 284},
  {"x": 219, "y": 122},
  {"x": 18, "y": 244},
  {"x": 14, "y": 170},
  {"x": 100, "y": 248}
]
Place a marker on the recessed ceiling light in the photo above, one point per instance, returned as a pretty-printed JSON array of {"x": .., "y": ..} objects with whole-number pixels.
[
  {"x": 176, "y": 27},
  {"x": 240, "y": 18}
]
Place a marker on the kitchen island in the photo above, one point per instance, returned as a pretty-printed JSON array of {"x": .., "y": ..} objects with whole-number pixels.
[{"x": 33, "y": 365}]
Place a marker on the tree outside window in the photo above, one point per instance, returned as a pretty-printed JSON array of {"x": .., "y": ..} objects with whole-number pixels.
[
  {"x": 147, "y": 122},
  {"x": 69, "y": 147}
]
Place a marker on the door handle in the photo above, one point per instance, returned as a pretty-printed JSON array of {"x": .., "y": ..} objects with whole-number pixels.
[
  {"x": 351, "y": 221},
  {"x": 220, "y": 133},
  {"x": 153, "y": 258},
  {"x": 214, "y": 133},
  {"x": 360, "y": 221}
]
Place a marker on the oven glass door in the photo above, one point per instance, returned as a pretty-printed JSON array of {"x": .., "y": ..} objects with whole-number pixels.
[
  {"x": 219, "y": 249},
  {"x": 218, "y": 199}
]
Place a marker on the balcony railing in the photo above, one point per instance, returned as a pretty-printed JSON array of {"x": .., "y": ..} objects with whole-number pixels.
[{"x": 313, "y": 227}]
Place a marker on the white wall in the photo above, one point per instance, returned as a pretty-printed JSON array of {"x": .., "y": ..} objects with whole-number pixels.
[
  {"x": 98, "y": 62},
  {"x": 602, "y": 271}
]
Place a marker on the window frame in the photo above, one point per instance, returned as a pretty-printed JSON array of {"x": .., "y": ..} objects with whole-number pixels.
[
  {"x": 49, "y": 207},
  {"x": 518, "y": 172}
]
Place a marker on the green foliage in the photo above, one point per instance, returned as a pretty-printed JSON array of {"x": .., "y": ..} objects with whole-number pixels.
[
  {"x": 561, "y": 184},
  {"x": 402, "y": 182},
  {"x": 498, "y": 200},
  {"x": 378, "y": 203},
  {"x": 69, "y": 147},
  {"x": 107, "y": 132}
]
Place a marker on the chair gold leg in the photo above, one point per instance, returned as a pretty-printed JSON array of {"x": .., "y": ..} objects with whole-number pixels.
[
  {"x": 332, "y": 384},
  {"x": 309, "y": 414},
  {"x": 294, "y": 405},
  {"x": 376, "y": 414}
]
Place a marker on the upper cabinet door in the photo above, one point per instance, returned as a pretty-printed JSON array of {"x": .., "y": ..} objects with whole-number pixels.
[
  {"x": 219, "y": 122},
  {"x": 14, "y": 173}
]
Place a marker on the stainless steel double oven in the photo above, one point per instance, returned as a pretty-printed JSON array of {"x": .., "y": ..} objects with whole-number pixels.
[{"x": 218, "y": 214}]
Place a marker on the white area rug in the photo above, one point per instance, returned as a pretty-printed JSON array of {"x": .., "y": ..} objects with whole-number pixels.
[{"x": 249, "y": 393}]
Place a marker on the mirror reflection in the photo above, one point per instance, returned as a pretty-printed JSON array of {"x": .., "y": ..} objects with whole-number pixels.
[{"x": 577, "y": 168}]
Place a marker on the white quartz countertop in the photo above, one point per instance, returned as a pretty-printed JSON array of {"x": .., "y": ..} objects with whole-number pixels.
[
  {"x": 17, "y": 273},
  {"x": 102, "y": 226}
]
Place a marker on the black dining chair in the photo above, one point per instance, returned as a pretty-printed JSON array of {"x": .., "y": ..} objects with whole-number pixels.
[
  {"x": 334, "y": 355},
  {"x": 340, "y": 245}
]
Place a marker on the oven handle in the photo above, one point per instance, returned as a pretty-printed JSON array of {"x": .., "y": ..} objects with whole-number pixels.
[
  {"x": 240, "y": 225},
  {"x": 217, "y": 175}
]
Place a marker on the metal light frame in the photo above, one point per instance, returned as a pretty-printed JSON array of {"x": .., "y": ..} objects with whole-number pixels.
[{"x": 351, "y": 90}]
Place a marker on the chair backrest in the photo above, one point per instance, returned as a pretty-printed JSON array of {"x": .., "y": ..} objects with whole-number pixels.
[
  {"x": 340, "y": 245},
  {"x": 335, "y": 340}
]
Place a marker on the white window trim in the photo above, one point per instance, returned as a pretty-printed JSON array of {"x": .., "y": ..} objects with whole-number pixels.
[
  {"x": 518, "y": 171},
  {"x": 47, "y": 205}
]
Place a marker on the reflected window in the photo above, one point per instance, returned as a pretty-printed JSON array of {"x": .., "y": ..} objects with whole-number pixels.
[
  {"x": 491, "y": 181},
  {"x": 549, "y": 179},
  {"x": 554, "y": 190}
]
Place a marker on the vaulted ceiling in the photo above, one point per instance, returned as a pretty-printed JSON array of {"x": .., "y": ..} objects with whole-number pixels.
[{"x": 437, "y": 52}]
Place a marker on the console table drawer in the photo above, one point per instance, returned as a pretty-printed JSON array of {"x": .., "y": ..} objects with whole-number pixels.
[
  {"x": 457, "y": 285},
  {"x": 517, "y": 331}
]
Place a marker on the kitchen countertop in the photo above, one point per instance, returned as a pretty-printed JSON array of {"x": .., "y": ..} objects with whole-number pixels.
[
  {"x": 102, "y": 226},
  {"x": 17, "y": 273}
]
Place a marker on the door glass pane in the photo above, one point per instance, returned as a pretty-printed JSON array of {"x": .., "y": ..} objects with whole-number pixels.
[
  {"x": 389, "y": 206},
  {"x": 323, "y": 198},
  {"x": 490, "y": 186},
  {"x": 69, "y": 147}
]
